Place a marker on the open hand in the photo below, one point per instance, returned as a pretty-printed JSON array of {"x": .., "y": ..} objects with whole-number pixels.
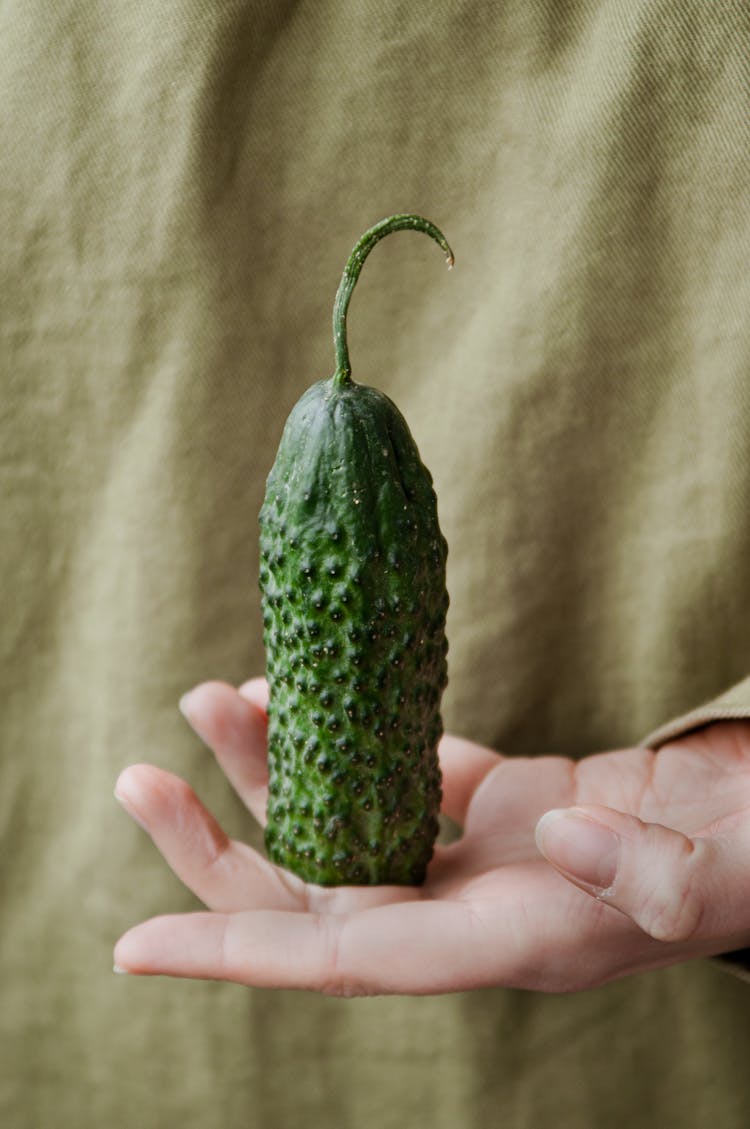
[{"x": 647, "y": 864}]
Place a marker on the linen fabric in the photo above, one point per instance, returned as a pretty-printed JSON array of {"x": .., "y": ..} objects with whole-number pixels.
[{"x": 181, "y": 185}]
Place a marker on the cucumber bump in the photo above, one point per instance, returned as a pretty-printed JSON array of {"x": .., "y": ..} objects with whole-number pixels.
[{"x": 354, "y": 600}]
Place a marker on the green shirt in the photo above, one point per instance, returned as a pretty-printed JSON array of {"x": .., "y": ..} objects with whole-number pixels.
[{"x": 180, "y": 187}]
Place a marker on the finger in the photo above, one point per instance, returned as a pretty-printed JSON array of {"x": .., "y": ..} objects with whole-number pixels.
[
  {"x": 256, "y": 691},
  {"x": 464, "y": 766},
  {"x": 675, "y": 888},
  {"x": 235, "y": 728},
  {"x": 224, "y": 874},
  {"x": 414, "y": 948}
]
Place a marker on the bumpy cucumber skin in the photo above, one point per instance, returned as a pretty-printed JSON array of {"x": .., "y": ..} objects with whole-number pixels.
[{"x": 354, "y": 604}]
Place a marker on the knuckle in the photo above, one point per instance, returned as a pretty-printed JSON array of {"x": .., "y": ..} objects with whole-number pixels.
[
  {"x": 675, "y": 911},
  {"x": 344, "y": 988},
  {"x": 338, "y": 981}
]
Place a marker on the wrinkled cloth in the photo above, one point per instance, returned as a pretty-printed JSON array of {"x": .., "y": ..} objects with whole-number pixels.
[{"x": 180, "y": 187}]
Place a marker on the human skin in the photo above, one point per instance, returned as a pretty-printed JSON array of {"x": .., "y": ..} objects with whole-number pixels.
[{"x": 567, "y": 875}]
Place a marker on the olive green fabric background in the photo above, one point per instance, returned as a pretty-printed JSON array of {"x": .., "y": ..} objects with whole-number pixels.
[{"x": 180, "y": 186}]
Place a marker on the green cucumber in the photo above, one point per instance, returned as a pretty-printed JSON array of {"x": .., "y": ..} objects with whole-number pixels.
[{"x": 354, "y": 601}]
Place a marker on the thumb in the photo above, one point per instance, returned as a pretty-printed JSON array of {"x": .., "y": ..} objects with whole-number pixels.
[{"x": 666, "y": 882}]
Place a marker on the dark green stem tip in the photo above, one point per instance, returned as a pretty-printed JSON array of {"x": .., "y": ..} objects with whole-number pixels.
[{"x": 352, "y": 270}]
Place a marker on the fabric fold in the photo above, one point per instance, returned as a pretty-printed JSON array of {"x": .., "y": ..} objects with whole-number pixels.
[{"x": 732, "y": 705}]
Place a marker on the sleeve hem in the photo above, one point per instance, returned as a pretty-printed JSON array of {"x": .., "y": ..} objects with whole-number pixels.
[{"x": 703, "y": 715}]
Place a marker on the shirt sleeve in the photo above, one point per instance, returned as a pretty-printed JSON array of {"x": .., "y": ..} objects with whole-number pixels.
[{"x": 733, "y": 704}]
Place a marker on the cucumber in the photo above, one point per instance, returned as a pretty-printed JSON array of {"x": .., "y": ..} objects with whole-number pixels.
[{"x": 354, "y": 600}]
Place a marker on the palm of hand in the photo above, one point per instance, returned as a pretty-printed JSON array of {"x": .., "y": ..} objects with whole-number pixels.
[
  {"x": 564, "y": 938},
  {"x": 493, "y": 910}
]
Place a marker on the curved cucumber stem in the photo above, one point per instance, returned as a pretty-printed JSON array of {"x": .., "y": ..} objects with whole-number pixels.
[{"x": 361, "y": 250}]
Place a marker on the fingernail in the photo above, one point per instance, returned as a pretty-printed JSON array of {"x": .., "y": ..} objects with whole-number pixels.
[
  {"x": 120, "y": 971},
  {"x": 584, "y": 850},
  {"x": 128, "y": 806}
]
